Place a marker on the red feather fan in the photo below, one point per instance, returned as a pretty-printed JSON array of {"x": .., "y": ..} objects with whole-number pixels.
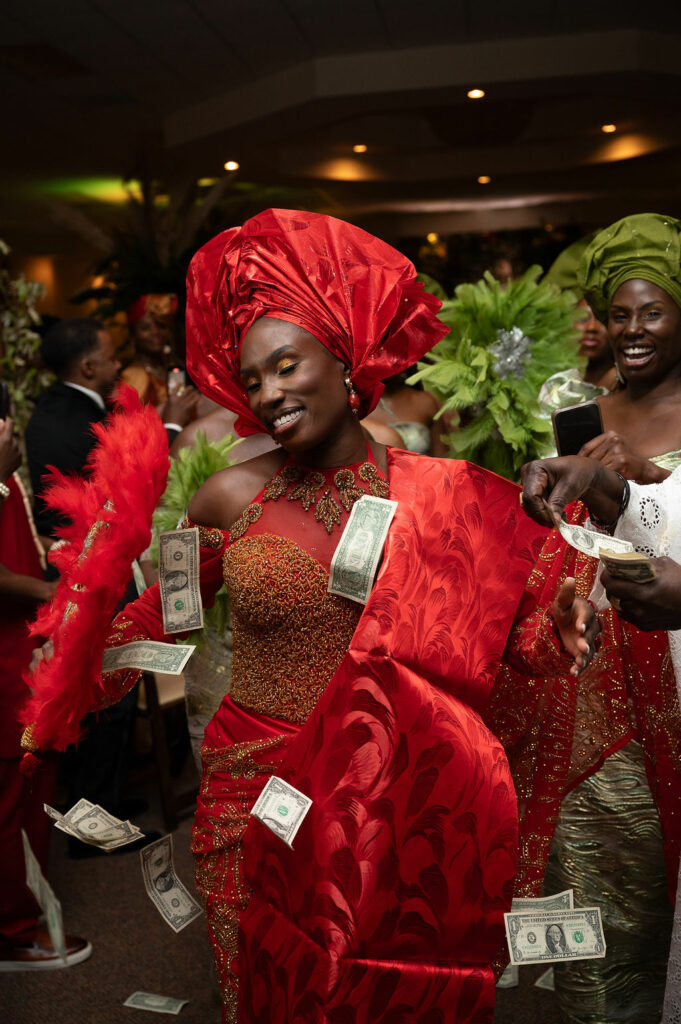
[{"x": 110, "y": 513}]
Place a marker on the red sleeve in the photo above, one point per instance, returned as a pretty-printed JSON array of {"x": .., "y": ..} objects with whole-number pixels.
[{"x": 143, "y": 619}]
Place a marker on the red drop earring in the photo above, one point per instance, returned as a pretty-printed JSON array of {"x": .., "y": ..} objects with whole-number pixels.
[{"x": 353, "y": 397}]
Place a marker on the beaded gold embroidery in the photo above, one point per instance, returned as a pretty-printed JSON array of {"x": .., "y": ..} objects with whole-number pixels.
[
  {"x": 248, "y": 516},
  {"x": 327, "y": 511},
  {"x": 348, "y": 490},
  {"x": 306, "y": 490},
  {"x": 378, "y": 485},
  {"x": 279, "y": 483},
  {"x": 209, "y": 537},
  {"x": 289, "y": 634}
]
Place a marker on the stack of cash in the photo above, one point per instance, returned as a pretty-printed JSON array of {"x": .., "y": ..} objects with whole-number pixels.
[{"x": 93, "y": 825}]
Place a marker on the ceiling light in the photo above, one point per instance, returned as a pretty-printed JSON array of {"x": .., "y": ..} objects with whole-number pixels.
[
  {"x": 433, "y": 237},
  {"x": 484, "y": 179},
  {"x": 475, "y": 94},
  {"x": 608, "y": 128},
  {"x": 231, "y": 165},
  {"x": 359, "y": 148}
]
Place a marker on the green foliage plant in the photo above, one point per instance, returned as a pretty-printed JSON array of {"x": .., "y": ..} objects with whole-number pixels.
[{"x": 503, "y": 344}]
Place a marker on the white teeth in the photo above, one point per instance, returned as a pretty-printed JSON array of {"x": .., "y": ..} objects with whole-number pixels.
[
  {"x": 637, "y": 351},
  {"x": 286, "y": 418}
]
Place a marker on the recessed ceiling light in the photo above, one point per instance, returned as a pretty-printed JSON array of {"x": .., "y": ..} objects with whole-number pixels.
[
  {"x": 608, "y": 128},
  {"x": 475, "y": 94},
  {"x": 433, "y": 237},
  {"x": 484, "y": 179},
  {"x": 359, "y": 148},
  {"x": 231, "y": 165}
]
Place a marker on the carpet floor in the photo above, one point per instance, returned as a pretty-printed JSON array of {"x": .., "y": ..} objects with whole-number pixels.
[{"x": 104, "y": 900}]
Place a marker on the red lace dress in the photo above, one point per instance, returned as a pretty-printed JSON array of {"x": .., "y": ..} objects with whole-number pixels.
[{"x": 391, "y": 904}]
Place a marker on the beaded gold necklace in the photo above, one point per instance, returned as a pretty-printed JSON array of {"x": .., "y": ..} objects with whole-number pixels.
[{"x": 312, "y": 488}]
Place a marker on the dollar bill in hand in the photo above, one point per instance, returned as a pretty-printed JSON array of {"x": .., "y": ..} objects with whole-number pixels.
[
  {"x": 628, "y": 565},
  {"x": 590, "y": 542},
  {"x": 178, "y": 579},
  {"x": 359, "y": 550},
  {"x": 148, "y": 656},
  {"x": 156, "y": 1004},
  {"x": 282, "y": 808},
  {"x": 172, "y": 900},
  {"x": 45, "y": 898},
  {"x": 551, "y": 936}
]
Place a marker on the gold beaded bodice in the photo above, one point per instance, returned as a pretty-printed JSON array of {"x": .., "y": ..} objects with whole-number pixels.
[{"x": 289, "y": 634}]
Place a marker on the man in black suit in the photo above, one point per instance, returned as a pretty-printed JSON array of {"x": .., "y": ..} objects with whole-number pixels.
[{"x": 82, "y": 355}]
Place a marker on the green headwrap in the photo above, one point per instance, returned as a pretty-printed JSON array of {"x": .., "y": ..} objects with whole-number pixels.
[
  {"x": 563, "y": 270},
  {"x": 646, "y": 246}
]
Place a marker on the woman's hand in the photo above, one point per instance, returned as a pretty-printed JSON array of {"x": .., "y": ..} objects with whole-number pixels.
[
  {"x": 557, "y": 482},
  {"x": 612, "y": 451},
  {"x": 654, "y": 605},
  {"x": 577, "y": 624}
]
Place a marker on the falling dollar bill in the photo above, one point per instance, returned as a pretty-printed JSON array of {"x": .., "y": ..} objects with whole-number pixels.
[
  {"x": 590, "y": 542},
  {"x": 559, "y": 901},
  {"x": 178, "y": 579},
  {"x": 551, "y": 936},
  {"x": 510, "y": 977},
  {"x": 149, "y": 656},
  {"x": 355, "y": 560},
  {"x": 157, "y": 1004},
  {"x": 172, "y": 900},
  {"x": 45, "y": 898},
  {"x": 628, "y": 565},
  {"x": 282, "y": 808},
  {"x": 93, "y": 825},
  {"x": 546, "y": 980}
]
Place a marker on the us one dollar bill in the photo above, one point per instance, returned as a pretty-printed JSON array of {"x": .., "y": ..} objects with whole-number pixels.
[
  {"x": 628, "y": 565},
  {"x": 559, "y": 901},
  {"x": 157, "y": 1004},
  {"x": 355, "y": 560},
  {"x": 282, "y": 808},
  {"x": 165, "y": 890},
  {"x": 93, "y": 825},
  {"x": 510, "y": 977},
  {"x": 178, "y": 578},
  {"x": 45, "y": 898},
  {"x": 149, "y": 656},
  {"x": 551, "y": 936},
  {"x": 590, "y": 542}
]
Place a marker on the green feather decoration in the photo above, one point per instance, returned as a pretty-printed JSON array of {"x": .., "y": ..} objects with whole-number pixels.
[
  {"x": 192, "y": 468},
  {"x": 503, "y": 344}
]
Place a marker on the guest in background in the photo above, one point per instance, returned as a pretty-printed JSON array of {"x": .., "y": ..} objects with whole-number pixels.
[
  {"x": 24, "y": 943},
  {"x": 150, "y": 321},
  {"x": 410, "y": 412}
]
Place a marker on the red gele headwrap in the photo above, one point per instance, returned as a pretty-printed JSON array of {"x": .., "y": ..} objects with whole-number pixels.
[
  {"x": 357, "y": 295},
  {"x": 161, "y": 307}
]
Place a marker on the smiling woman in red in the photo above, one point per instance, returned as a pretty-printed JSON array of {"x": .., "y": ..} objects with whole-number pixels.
[{"x": 391, "y": 902}]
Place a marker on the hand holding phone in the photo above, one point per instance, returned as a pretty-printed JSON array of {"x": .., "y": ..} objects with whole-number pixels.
[
  {"x": 575, "y": 425},
  {"x": 176, "y": 380}
]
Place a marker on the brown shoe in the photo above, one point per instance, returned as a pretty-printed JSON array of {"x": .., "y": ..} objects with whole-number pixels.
[{"x": 38, "y": 953}]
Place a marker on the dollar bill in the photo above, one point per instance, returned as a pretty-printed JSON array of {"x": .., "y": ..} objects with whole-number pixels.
[
  {"x": 172, "y": 900},
  {"x": 45, "y": 898},
  {"x": 590, "y": 542},
  {"x": 551, "y": 936},
  {"x": 510, "y": 978},
  {"x": 355, "y": 560},
  {"x": 149, "y": 656},
  {"x": 157, "y": 1004},
  {"x": 178, "y": 578},
  {"x": 628, "y": 565},
  {"x": 546, "y": 980},
  {"x": 559, "y": 901},
  {"x": 282, "y": 808},
  {"x": 93, "y": 825}
]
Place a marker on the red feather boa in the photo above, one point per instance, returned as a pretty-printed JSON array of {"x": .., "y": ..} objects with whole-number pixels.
[{"x": 127, "y": 469}]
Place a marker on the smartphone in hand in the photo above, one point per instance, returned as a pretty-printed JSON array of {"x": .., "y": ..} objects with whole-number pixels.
[
  {"x": 574, "y": 425},
  {"x": 176, "y": 379}
]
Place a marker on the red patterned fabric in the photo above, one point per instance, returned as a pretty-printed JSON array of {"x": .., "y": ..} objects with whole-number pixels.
[
  {"x": 557, "y": 733},
  {"x": 413, "y": 827},
  {"x": 357, "y": 295}
]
